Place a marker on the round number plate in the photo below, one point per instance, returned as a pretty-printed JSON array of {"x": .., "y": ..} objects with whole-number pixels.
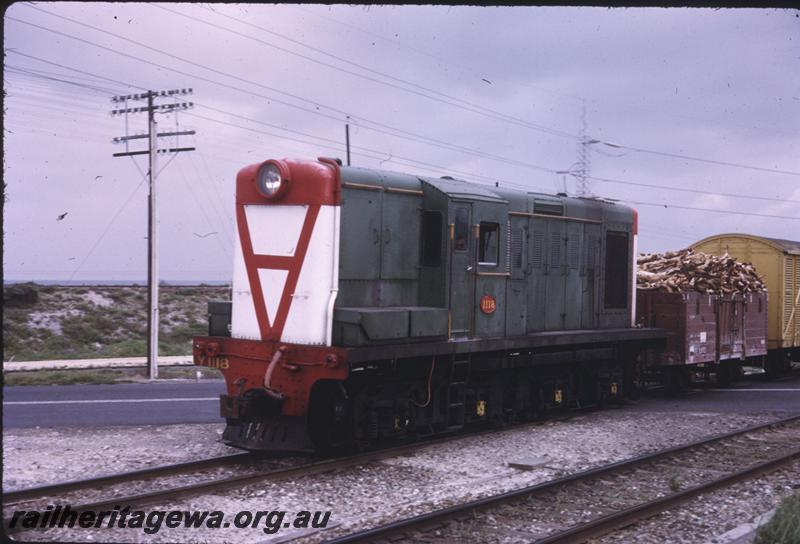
[{"x": 488, "y": 304}]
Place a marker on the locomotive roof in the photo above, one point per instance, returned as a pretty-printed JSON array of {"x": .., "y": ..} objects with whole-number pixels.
[
  {"x": 456, "y": 188},
  {"x": 450, "y": 186},
  {"x": 517, "y": 199}
]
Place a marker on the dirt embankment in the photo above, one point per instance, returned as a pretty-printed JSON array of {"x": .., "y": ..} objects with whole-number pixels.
[{"x": 64, "y": 322}]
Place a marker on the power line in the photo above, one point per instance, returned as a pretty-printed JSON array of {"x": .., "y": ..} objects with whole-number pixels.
[
  {"x": 227, "y": 221},
  {"x": 461, "y": 149},
  {"x": 560, "y": 133},
  {"x": 201, "y": 78},
  {"x": 202, "y": 209},
  {"x": 475, "y": 108},
  {"x": 411, "y": 136},
  {"x": 517, "y": 184},
  {"x": 83, "y": 85},
  {"x": 699, "y": 159},
  {"x": 541, "y": 127},
  {"x": 337, "y": 146},
  {"x": 394, "y": 159},
  {"x": 108, "y": 227},
  {"x": 436, "y": 57},
  {"x": 712, "y": 210},
  {"x": 642, "y": 150},
  {"x": 39, "y": 71},
  {"x": 15, "y": 52},
  {"x": 18, "y": 103},
  {"x": 694, "y": 191},
  {"x": 115, "y": 216},
  {"x": 496, "y": 77},
  {"x": 523, "y": 186},
  {"x": 436, "y": 142}
]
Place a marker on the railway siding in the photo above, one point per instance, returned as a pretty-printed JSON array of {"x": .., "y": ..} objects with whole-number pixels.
[{"x": 471, "y": 467}]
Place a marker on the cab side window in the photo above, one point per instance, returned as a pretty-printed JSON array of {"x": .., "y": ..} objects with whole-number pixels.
[
  {"x": 461, "y": 230},
  {"x": 489, "y": 244}
]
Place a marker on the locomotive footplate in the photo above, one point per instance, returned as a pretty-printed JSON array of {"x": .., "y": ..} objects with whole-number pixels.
[
  {"x": 271, "y": 431},
  {"x": 280, "y": 433}
]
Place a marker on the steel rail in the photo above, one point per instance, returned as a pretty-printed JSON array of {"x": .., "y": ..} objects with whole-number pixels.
[
  {"x": 603, "y": 525},
  {"x": 305, "y": 469},
  {"x": 11, "y": 497},
  {"x": 437, "y": 517}
]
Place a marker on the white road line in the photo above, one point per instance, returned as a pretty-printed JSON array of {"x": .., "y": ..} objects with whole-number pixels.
[
  {"x": 104, "y": 401},
  {"x": 753, "y": 390}
]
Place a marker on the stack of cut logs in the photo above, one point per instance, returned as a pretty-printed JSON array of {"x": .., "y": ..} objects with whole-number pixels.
[{"x": 685, "y": 270}]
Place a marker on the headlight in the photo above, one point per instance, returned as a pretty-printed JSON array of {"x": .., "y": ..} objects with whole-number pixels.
[{"x": 271, "y": 181}]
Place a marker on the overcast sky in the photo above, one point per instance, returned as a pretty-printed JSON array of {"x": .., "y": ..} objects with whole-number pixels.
[{"x": 487, "y": 94}]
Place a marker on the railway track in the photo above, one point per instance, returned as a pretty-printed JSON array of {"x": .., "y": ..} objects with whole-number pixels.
[
  {"x": 51, "y": 493},
  {"x": 317, "y": 467},
  {"x": 20, "y": 495},
  {"x": 571, "y": 497}
]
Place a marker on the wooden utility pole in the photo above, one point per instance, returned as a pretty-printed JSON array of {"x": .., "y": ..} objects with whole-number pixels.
[{"x": 152, "y": 216}]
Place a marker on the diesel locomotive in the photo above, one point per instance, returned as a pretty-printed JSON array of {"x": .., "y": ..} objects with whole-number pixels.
[{"x": 369, "y": 306}]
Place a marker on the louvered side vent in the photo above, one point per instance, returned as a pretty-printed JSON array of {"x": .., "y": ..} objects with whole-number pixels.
[
  {"x": 555, "y": 249},
  {"x": 508, "y": 246},
  {"x": 537, "y": 257},
  {"x": 573, "y": 248},
  {"x": 591, "y": 248},
  {"x": 544, "y": 207},
  {"x": 516, "y": 248}
]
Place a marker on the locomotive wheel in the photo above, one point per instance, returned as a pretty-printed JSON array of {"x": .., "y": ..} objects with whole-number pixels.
[
  {"x": 330, "y": 418},
  {"x": 632, "y": 382}
]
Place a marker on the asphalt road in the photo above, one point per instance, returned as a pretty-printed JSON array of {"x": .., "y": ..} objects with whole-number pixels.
[
  {"x": 197, "y": 402},
  {"x": 119, "y": 404},
  {"x": 753, "y": 395}
]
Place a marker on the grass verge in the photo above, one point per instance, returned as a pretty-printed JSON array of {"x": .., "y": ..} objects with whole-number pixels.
[
  {"x": 64, "y": 377},
  {"x": 784, "y": 527}
]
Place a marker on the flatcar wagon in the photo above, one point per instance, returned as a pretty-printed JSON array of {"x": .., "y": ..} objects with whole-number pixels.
[
  {"x": 370, "y": 306},
  {"x": 778, "y": 263}
]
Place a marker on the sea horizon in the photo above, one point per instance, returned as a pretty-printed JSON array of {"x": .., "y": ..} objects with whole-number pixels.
[{"x": 112, "y": 283}]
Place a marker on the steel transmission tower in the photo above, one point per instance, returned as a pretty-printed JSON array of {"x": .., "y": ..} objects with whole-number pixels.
[{"x": 584, "y": 164}]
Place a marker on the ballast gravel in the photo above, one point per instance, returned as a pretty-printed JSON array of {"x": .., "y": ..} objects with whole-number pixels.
[
  {"x": 438, "y": 476},
  {"x": 39, "y": 456}
]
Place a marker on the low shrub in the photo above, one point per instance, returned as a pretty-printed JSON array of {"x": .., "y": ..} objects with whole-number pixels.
[
  {"x": 20, "y": 295},
  {"x": 784, "y": 527}
]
